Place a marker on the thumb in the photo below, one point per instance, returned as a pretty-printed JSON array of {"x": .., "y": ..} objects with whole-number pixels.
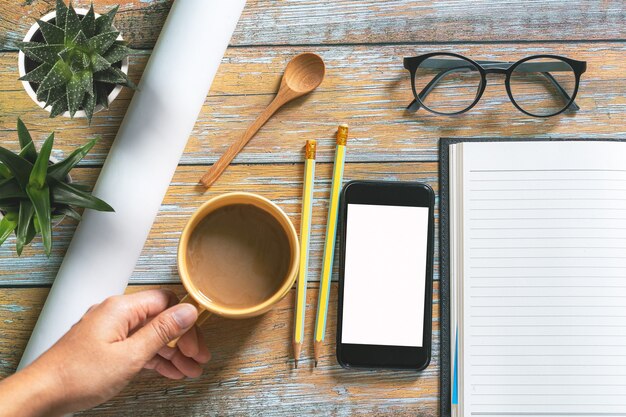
[{"x": 164, "y": 328}]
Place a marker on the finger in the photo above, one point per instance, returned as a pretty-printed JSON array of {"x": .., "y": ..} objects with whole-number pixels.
[
  {"x": 162, "y": 329},
  {"x": 188, "y": 343},
  {"x": 124, "y": 313},
  {"x": 164, "y": 367},
  {"x": 189, "y": 367},
  {"x": 203, "y": 355},
  {"x": 167, "y": 352},
  {"x": 146, "y": 304},
  {"x": 192, "y": 345}
]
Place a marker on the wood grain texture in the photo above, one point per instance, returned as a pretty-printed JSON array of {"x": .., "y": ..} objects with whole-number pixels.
[
  {"x": 157, "y": 264},
  {"x": 365, "y": 86},
  {"x": 251, "y": 372},
  {"x": 362, "y": 43},
  {"x": 297, "y": 22}
]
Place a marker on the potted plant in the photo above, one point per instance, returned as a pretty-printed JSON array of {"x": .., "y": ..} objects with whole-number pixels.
[
  {"x": 33, "y": 191},
  {"x": 73, "y": 61}
]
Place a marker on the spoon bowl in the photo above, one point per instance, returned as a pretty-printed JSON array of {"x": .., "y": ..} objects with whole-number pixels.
[{"x": 304, "y": 73}]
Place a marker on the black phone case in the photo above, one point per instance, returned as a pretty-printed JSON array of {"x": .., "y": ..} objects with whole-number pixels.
[{"x": 429, "y": 277}]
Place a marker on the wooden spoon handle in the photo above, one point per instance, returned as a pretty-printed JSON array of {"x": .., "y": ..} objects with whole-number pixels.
[{"x": 218, "y": 167}]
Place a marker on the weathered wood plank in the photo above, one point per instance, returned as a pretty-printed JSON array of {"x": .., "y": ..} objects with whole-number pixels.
[
  {"x": 365, "y": 87},
  {"x": 157, "y": 264},
  {"x": 267, "y": 22},
  {"x": 251, "y": 372},
  {"x": 140, "y": 23}
]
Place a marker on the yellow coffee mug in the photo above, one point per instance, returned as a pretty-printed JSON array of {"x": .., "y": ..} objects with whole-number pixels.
[{"x": 205, "y": 305}]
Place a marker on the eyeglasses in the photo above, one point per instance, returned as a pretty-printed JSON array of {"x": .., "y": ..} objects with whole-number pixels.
[{"x": 539, "y": 85}]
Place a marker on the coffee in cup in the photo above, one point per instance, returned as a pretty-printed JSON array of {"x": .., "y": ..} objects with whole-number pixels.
[{"x": 238, "y": 256}]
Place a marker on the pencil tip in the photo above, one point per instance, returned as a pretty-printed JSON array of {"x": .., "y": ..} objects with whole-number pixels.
[
  {"x": 316, "y": 363},
  {"x": 296, "y": 363}
]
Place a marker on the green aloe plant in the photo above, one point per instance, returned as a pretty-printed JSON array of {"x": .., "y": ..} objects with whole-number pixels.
[
  {"x": 78, "y": 61},
  {"x": 33, "y": 192}
]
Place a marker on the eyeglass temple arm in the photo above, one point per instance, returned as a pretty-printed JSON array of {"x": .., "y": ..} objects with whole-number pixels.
[
  {"x": 447, "y": 65},
  {"x": 561, "y": 90}
]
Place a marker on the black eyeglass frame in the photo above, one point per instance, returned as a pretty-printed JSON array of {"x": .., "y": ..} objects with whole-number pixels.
[{"x": 494, "y": 67}]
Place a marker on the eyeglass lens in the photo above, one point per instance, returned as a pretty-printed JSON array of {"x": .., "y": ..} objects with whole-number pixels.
[
  {"x": 447, "y": 84},
  {"x": 543, "y": 86}
]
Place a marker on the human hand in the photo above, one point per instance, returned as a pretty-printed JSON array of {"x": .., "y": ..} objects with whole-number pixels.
[{"x": 113, "y": 341}]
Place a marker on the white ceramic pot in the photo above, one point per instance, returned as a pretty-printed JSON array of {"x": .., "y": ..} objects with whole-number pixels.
[{"x": 21, "y": 63}]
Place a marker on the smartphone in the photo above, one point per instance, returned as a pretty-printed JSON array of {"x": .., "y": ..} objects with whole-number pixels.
[{"x": 386, "y": 245}]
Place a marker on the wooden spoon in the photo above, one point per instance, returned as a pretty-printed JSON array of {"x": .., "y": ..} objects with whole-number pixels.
[{"x": 303, "y": 74}]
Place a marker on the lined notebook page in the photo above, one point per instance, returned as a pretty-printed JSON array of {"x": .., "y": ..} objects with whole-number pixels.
[{"x": 544, "y": 278}]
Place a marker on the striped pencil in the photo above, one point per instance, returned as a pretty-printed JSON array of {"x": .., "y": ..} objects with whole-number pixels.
[
  {"x": 305, "y": 237},
  {"x": 329, "y": 245}
]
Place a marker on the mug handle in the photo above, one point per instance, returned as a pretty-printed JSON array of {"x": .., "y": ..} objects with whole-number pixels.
[{"x": 203, "y": 315}]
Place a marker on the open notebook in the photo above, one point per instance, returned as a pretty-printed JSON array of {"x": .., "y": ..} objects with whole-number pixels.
[{"x": 535, "y": 256}]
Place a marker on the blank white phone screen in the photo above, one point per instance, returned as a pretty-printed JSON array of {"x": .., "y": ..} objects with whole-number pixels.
[{"x": 385, "y": 275}]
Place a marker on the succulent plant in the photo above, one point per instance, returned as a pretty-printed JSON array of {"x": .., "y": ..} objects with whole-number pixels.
[
  {"x": 33, "y": 191},
  {"x": 79, "y": 61}
]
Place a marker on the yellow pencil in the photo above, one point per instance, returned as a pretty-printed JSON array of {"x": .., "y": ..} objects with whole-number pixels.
[
  {"x": 329, "y": 245},
  {"x": 305, "y": 237}
]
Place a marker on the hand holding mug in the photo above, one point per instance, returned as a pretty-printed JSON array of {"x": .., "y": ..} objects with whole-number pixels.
[{"x": 101, "y": 353}]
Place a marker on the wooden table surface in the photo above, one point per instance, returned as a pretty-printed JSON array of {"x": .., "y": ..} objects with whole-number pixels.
[{"x": 362, "y": 42}]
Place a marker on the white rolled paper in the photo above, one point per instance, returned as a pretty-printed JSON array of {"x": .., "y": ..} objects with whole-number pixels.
[{"x": 135, "y": 177}]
